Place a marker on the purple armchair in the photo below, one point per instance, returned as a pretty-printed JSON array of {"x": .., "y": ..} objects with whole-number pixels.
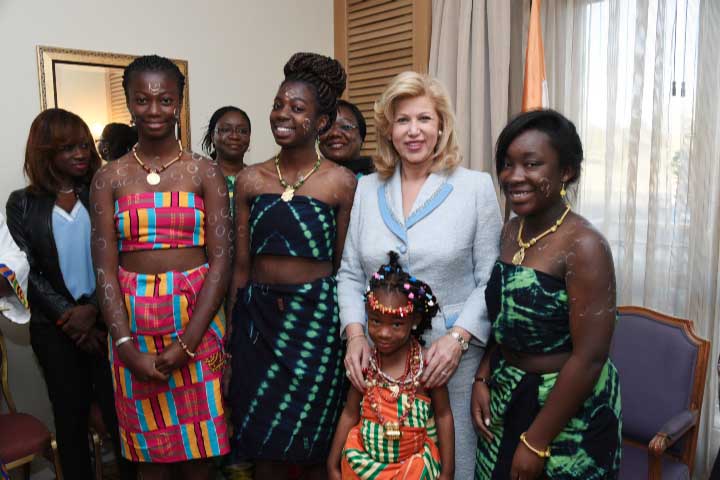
[{"x": 662, "y": 366}]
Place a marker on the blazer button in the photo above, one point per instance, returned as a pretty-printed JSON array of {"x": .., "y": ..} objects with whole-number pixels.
[{"x": 402, "y": 249}]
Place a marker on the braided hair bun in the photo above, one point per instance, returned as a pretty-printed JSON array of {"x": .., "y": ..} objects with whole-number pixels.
[
  {"x": 325, "y": 74},
  {"x": 392, "y": 278}
]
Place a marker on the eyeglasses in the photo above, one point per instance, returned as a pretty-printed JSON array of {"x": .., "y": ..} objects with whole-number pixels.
[
  {"x": 346, "y": 127},
  {"x": 225, "y": 130}
]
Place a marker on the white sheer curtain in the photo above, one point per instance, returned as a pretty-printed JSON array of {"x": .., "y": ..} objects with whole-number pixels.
[
  {"x": 470, "y": 54},
  {"x": 651, "y": 179},
  {"x": 704, "y": 206}
]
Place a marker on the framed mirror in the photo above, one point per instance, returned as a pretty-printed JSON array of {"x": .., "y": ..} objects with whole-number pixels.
[{"x": 90, "y": 84}]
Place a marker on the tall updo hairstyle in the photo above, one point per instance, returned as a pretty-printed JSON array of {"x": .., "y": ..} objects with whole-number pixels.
[{"x": 325, "y": 75}]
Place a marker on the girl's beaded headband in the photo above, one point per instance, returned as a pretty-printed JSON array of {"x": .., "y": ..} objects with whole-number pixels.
[{"x": 401, "y": 312}]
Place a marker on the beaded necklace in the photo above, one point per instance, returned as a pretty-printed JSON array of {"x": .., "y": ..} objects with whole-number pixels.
[
  {"x": 408, "y": 383},
  {"x": 153, "y": 174}
]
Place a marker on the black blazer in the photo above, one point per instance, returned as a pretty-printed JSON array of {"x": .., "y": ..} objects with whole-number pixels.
[{"x": 29, "y": 219}]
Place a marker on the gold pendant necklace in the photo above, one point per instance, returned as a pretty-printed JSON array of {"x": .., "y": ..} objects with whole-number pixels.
[
  {"x": 520, "y": 254},
  {"x": 153, "y": 174},
  {"x": 289, "y": 192}
]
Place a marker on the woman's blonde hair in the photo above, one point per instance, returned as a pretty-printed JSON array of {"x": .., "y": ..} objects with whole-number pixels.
[{"x": 409, "y": 85}]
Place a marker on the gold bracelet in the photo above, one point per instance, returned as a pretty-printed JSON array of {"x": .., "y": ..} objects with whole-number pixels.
[
  {"x": 464, "y": 345},
  {"x": 185, "y": 348},
  {"x": 540, "y": 453},
  {"x": 481, "y": 379},
  {"x": 353, "y": 337}
]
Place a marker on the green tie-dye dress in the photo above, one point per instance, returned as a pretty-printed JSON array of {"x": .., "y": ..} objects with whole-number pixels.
[{"x": 529, "y": 313}]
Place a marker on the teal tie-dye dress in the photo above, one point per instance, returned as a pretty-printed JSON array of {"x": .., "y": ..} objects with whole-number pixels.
[
  {"x": 287, "y": 381},
  {"x": 529, "y": 313}
]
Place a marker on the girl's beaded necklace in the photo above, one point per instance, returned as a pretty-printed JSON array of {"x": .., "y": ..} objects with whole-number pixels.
[{"x": 408, "y": 383}]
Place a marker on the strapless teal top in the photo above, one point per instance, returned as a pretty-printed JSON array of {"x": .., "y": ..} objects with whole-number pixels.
[{"x": 302, "y": 227}]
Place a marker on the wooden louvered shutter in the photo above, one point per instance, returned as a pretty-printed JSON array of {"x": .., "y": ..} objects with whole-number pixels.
[
  {"x": 375, "y": 40},
  {"x": 118, "y": 109}
]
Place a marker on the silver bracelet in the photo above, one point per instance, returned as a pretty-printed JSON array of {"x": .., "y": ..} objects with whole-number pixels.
[{"x": 122, "y": 340}]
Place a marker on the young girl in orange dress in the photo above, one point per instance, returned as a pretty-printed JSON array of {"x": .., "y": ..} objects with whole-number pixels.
[{"x": 396, "y": 428}]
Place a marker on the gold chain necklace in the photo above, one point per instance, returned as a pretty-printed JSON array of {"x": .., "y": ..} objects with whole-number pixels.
[
  {"x": 520, "y": 254},
  {"x": 153, "y": 174},
  {"x": 289, "y": 192}
]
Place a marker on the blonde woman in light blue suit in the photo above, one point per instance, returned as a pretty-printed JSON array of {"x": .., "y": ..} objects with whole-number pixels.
[{"x": 445, "y": 223}]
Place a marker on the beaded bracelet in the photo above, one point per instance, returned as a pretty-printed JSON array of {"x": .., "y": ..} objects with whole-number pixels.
[
  {"x": 540, "y": 453},
  {"x": 185, "y": 348}
]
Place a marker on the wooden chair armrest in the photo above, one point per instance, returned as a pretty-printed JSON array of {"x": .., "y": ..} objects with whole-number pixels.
[
  {"x": 669, "y": 433},
  {"x": 672, "y": 431}
]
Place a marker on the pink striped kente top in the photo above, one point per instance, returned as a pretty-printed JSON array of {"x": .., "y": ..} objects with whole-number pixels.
[{"x": 159, "y": 220}]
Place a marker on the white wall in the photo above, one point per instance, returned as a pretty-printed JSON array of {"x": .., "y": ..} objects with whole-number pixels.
[{"x": 235, "y": 48}]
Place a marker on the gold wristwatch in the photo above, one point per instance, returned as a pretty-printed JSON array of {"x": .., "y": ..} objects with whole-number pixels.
[{"x": 464, "y": 345}]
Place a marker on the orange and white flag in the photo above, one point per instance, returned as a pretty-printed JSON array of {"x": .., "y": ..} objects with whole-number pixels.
[{"x": 535, "y": 91}]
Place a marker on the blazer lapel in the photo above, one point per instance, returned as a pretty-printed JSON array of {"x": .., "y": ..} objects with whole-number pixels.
[
  {"x": 433, "y": 193},
  {"x": 390, "y": 202}
]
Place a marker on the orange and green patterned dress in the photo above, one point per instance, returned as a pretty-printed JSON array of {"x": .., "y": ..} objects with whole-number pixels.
[{"x": 368, "y": 454}]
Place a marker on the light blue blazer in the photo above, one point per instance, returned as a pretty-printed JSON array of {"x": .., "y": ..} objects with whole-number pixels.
[{"x": 450, "y": 240}]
